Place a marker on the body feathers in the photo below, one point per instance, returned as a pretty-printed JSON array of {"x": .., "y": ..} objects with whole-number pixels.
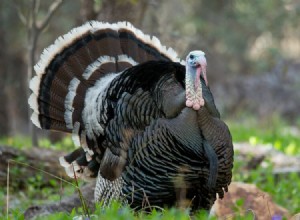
[{"x": 122, "y": 95}]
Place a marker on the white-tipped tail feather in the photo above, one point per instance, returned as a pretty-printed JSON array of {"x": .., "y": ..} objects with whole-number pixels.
[
  {"x": 75, "y": 134},
  {"x": 127, "y": 59},
  {"x": 35, "y": 119},
  {"x": 69, "y": 102},
  {"x": 74, "y": 74},
  {"x": 33, "y": 103},
  {"x": 96, "y": 65},
  {"x": 74, "y": 168},
  {"x": 92, "y": 26},
  {"x": 92, "y": 108}
]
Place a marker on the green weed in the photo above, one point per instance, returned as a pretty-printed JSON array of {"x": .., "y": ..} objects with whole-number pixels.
[
  {"x": 284, "y": 138},
  {"x": 284, "y": 190},
  {"x": 24, "y": 142}
]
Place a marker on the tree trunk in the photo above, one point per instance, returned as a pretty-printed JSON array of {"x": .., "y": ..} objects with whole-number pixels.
[
  {"x": 32, "y": 39},
  {"x": 114, "y": 11},
  {"x": 33, "y": 30},
  {"x": 87, "y": 10},
  {"x": 4, "y": 119}
]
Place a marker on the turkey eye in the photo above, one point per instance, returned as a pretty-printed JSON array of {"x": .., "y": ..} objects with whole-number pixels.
[{"x": 192, "y": 56}]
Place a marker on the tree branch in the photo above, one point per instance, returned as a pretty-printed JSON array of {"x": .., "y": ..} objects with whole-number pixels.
[
  {"x": 32, "y": 18},
  {"x": 53, "y": 7},
  {"x": 20, "y": 13},
  {"x": 37, "y": 7}
]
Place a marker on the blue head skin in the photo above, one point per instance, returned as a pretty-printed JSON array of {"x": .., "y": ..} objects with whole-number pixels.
[{"x": 195, "y": 65}]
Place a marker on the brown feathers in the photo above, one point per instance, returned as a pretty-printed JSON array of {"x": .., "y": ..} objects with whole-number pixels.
[{"x": 122, "y": 96}]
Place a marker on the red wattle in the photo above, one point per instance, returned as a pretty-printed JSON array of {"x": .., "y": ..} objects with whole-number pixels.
[{"x": 197, "y": 80}]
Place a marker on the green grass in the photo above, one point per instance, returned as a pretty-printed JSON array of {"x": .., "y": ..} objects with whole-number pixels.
[
  {"x": 276, "y": 133},
  {"x": 24, "y": 142},
  {"x": 33, "y": 194},
  {"x": 284, "y": 191},
  {"x": 117, "y": 211}
]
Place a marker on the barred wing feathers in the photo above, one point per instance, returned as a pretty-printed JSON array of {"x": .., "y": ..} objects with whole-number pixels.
[
  {"x": 74, "y": 74},
  {"x": 121, "y": 94}
]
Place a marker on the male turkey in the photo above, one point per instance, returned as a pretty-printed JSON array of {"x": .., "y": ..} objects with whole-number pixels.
[{"x": 146, "y": 121}]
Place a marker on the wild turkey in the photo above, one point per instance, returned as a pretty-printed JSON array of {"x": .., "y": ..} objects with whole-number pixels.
[{"x": 147, "y": 124}]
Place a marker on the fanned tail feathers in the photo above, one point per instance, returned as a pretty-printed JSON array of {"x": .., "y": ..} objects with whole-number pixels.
[{"x": 72, "y": 77}]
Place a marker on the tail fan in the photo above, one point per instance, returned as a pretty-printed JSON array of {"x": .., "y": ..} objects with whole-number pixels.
[
  {"x": 91, "y": 54},
  {"x": 73, "y": 75}
]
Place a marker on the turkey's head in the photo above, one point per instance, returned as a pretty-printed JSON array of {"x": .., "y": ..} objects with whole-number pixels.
[{"x": 195, "y": 65}]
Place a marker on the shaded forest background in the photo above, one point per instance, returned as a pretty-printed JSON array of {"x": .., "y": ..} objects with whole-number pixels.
[
  {"x": 252, "y": 47},
  {"x": 253, "y": 51}
]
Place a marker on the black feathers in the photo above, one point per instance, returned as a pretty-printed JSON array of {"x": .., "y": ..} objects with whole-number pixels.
[{"x": 122, "y": 96}]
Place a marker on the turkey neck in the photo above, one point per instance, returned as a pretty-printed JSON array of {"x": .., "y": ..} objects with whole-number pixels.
[{"x": 193, "y": 86}]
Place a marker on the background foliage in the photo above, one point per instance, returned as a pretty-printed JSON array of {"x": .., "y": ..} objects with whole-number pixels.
[
  {"x": 253, "y": 50},
  {"x": 241, "y": 38}
]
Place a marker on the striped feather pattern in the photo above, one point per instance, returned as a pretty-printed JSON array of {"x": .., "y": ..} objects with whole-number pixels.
[
  {"x": 160, "y": 151},
  {"x": 87, "y": 54},
  {"x": 74, "y": 73},
  {"x": 122, "y": 96}
]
